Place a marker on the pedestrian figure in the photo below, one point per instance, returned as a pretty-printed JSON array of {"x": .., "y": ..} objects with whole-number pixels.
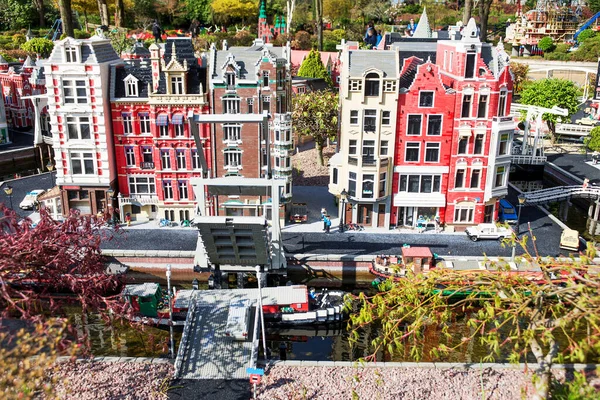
[
  {"x": 586, "y": 183},
  {"x": 157, "y": 32},
  {"x": 412, "y": 27},
  {"x": 595, "y": 157},
  {"x": 128, "y": 219},
  {"x": 323, "y": 216},
  {"x": 327, "y": 224}
]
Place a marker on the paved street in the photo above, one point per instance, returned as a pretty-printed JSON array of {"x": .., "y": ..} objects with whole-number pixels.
[
  {"x": 576, "y": 164},
  {"x": 22, "y": 186}
]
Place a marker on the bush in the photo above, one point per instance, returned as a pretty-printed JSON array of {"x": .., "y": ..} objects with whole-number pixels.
[
  {"x": 18, "y": 39},
  {"x": 546, "y": 44},
  {"x": 243, "y": 38},
  {"x": 40, "y": 46},
  {"x": 302, "y": 41},
  {"x": 15, "y": 55},
  {"x": 586, "y": 34},
  {"x": 81, "y": 34},
  {"x": 593, "y": 141}
]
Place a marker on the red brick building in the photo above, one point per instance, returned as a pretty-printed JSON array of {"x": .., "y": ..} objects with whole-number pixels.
[{"x": 152, "y": 95}]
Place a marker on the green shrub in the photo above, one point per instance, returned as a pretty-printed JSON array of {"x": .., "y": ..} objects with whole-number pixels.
[
  {"x": 593, "y": 140},
  {"x": 81, "y": 34},
  {"x": 18, "y": 39},
  {"x": 586, "y": 34},
  {"x": 546, "y": 44},
  {"x": 40, "y": 46}
]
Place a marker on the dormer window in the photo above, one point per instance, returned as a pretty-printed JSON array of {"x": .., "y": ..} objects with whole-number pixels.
[
  {"x": 177, "y": 85},
  {"x": 230, "y": 79},
  {"x": 131, "y": 86},
  {"x": 372, "y": 85},
  {"x": 71, "y": 53}
]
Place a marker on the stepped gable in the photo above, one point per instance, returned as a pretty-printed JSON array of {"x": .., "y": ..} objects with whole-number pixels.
[{"x": 409, "y": 70}]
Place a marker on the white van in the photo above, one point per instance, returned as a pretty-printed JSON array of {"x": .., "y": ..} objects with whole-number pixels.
[
  {"x": 31, "y": 199},
  {"x": 569, "y": 240},
  {"x": 238, "y": 319}
]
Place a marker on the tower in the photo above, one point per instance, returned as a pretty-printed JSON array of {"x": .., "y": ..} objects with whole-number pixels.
[{"x": 264, "y": 30}]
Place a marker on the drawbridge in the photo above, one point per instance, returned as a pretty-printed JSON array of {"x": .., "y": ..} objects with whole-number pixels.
[{"x": 561, "y": 193}]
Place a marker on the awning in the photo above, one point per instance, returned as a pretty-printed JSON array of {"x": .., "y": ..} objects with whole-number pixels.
[
  {"x": 177, "y": 119},
  {"x": 162, "y": 120},
  {"x": 232, "y": 203},
  {"x": 143, "y": 114},
  {"x": 126, "y": 114}
]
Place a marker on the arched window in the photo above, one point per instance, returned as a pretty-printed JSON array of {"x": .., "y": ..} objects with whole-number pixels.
[{"x": 372, "y": 84}]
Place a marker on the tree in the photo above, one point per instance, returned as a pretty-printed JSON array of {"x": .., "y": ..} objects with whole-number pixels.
[
  {"x": 594, "y": 5},
  {"x": 467, "y": 12},
  {"x": 319, "y": 21},
  {"x": 119, "y": 13},
  {"x": 227, "y": 10},
  {"x": 520, "y": 72},
  {"x": 546, "y": 44},
  {"x": 312, "y": 67},
  {"x": 290, "y": 7},
  {"x": 103, "y": 11},
  {"x": 586, "y": 34},
  {"x": 200, "y": 10},
  {"x": 315, "y": 114},
  {"x": 484, "y": 15},
  {"x": 593, "y": 141},
  {"x": 66, "y": 15},
  {"x": 41, "y": 47},
  {"x": 507, "y": 312},
  {"x": 15, "y": 14},
  {"x": 549, "y": 93},
  {"x": 39, "y": 6}
]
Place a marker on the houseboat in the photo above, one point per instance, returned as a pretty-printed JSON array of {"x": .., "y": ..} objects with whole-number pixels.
[{"x": 418, "y": 259}]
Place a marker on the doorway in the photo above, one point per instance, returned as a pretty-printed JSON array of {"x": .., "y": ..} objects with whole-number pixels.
[{"x": 364, "y": 214}]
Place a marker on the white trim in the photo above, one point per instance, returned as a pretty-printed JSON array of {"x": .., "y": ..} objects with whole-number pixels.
[
  {"x": 441, "y": 125},
  {"x": 432, "y": 100},
  {"x": 439, "y": 149},
  {"x": 408, "y": 124},
  {"x": 421, "y": 169},
  {"x": 406, "y": 150}
]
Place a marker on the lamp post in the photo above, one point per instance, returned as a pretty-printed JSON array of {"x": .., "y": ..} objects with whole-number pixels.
[
  {"x": 522, "y": 200},
  {"x": 50, "y": 167},
  {"x": 110, "y": 193},
  {"x": 262, "y": 316},
  {"x": 9, "y": 191},
  {"x": 343, "y": 197},
  {"x": 170, "y": 310}
]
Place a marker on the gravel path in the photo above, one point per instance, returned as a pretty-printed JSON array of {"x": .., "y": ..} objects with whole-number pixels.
[
  {"x": 99, "y": 380},
  {"x": 307, "y": 171},
  {"x": 336, "y": 383}
]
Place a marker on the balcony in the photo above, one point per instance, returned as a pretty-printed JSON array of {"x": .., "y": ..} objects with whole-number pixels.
[
  {"x": 368, "y": 161},
  {"x": 352, "y": 161},
  {"x": 282, "y": 121},
  {"x": 369, "y": 127},
  {"x": 147, "y": 165},
  {"x": 233, "y": 168},
  {"x": 141, "y": 199}
]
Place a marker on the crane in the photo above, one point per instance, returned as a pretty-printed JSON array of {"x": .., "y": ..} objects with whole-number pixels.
[{"x": 534, "y": 113}]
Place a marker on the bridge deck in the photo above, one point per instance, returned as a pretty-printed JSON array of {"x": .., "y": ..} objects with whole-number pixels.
[
  {"x": 561, "y": 193},
  {"x": 205, "y": 351}
]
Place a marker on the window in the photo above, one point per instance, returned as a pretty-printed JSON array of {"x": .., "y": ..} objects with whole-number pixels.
[
  {"x": 301, "y": 89},
  {"x": 265, "y": 76},
  {"x": 503, "y": 145},
  {"x": 478, "y": 148},
  {"x": 281, "y": 104},
  {"x": 266, "y": 103},
  {"x": 482, "y": 107},
  {"x": 466, "y": 106},
  {"x": 147, "y": 154},
  {"x": 367, "y": 186},
  {"x": 74, "y": 92},
  {"x": 352, "y": 147},
  {"x": 383, "y": 148},
  {"x": 82, "y": 163},
  {"x": 382, "y": 181},
  {"x": 389, "y": 86},
  {"x": 78, "y": 128},
  {"x": 131, "y": 88},
  {"x": 412, "y": 152},
  {"x": 414, "y": 125},
  {"x": 434, "y": 125},
  {"x": 475, "y": 174},
  {"x": 370, "y": 120},
  {"x": 426, "y": 99},
  {"x": 355, "y": 85},
  {"x": 141, "y": 185},
  {"x": 230, "y": 79},
  {"x": 232, "y": 132},
  {"x": 502, "y": 104},
  {"x": 168, "y": 190},
  {"x": 162, "y": 121},
  {"x": 432, "y": 152},
  {"x": 178, "y": 125},
  {"x": 129, "y": 156},
  {"x": 183, "y": 190},
  {"x": 180, "y": 156},
  {"x": 499, "y": 179},
  {"x": 352, "y": 184},
  {"x": 420, "y": 183},
  {"x": 450, "y": 61},
  {"x": 165, "y": 158},
  {"x": 250, "y": 103},
  {"x": 385, "y": 118},
  {"x": 470, "y": 65},
  {"x": 334, "y": 179},
  {"x": 144, "y": 123},
  {"x": 231, "y": 105},
  {"x": 464, "y": 213},
  {"x": 233, "y": 158},
  {"x": 71, "y": 54},
  {"x": 127, "y": 123},
  {"x": 459, "y": 180},
  {"x": 462, "y": 145},
  {"x": 445, "y": 59},
  {"x": 372, "y": 85},
  {"x": 177, "y": 85},
  {"x": 353, "y": 117},
  {"x": 368, "y": 152},
  {"x": 195, "y": 159}
]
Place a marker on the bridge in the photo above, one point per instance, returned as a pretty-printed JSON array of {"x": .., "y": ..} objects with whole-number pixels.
[{"x": 561, "y": 193}]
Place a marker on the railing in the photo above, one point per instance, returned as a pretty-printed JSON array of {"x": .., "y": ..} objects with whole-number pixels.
[
  {"x": 189, "y": 321},
  {"x": 561, "y": 193},
  {"x": 140, "y": 198},
  {"x": 147, "y": 165},
  {"x": 573, "y": 129},
  {"x": 352, "y": 161},
  {"x": 531, "y": 160}
]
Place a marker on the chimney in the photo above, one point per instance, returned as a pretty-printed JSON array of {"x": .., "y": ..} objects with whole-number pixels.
[{"x": 155, "y": 63}]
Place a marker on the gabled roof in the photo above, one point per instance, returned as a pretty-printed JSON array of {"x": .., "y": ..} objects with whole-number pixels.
[
  {"x": 247, "y": 58},
  {"x": 361, "y": 60},
  {"x": 409, "y": 70},
  {"x": 93, "y": 51}
]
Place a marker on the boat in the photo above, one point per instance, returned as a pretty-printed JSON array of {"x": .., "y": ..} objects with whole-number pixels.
[
  {"x": 420, "y": 259},
  {"x": 150, "y": 304}
]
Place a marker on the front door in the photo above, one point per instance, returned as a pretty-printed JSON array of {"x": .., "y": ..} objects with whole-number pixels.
[
  {"x": 364, "y": 214},
  {"x": 381, "y": 216},
  {"x": 488, "y": 215}
]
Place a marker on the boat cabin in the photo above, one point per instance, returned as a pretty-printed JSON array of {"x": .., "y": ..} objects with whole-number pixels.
[
  {"x": 420, "y": 258},
  {"x": 146, "y": 299}
]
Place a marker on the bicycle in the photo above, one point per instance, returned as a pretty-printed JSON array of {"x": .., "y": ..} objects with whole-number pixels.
[
  {"x": 353, "y": 227},
  {"x": 164, "y": 222}
]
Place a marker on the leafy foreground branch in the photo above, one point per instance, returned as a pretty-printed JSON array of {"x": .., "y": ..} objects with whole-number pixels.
[{"x": 510, "y": 313}]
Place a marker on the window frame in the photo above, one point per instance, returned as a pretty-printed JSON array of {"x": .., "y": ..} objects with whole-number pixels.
[
  {"x": 410, "y": 124},
  {"x": 177, "y": 84},
  {"x": 429, "y": 120},
  {"x": 165, "y": 159},
  {"x": 469, "y": 97},
  {"x": 83, "y": 166},
  {"x": 76, "y": 122},
  {"x": 354, "y": 117},
  {"x": 129, "y": 156},
  {"x": 485, "y": 105},
  {"x": 74, "y": 85},
  {"x": 180, "y": 159},
  {"x": 370, "y": 114},
  {"x": 475, "y": 172},
  {"x": 168, "y": 190},
  {"x": 468, "y": 210},
  {"x": 433, "y": 146},
  {"x": 462, "y": 171},
  {"x": 372, "y": 85},
  {"x": 410, "y": 145},
  {"x": 150, "y": 184},
  {"x": 145, "y": 126},
  {"x": 422, "y": 97},
  {"x": 127, "y": 120},
  {"x": 386, "y": 118}
]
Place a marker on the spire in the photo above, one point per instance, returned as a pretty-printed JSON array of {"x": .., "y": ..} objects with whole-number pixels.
[
  {"x": 173, "y": 52},
  {"x": 423, "y": 29},
  {"x": 262, "y": 11},
  {"x": 28, "y": 63},
  {"x": 471, "y": 32},
  {"x": 2, "y": 60}
]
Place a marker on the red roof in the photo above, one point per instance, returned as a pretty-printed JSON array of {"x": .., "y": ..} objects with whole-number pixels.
[{"x": 416, "y": 252}]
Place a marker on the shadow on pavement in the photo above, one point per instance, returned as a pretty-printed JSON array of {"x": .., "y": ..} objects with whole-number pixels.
[{"x": 214, "y": 389}]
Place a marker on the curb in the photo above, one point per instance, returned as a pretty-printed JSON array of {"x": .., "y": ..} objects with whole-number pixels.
[{"x": 149, "y": 360}]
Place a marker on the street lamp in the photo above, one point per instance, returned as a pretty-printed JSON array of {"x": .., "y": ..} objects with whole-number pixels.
[
  {"x": 262, "y": 315},
  {"x": 9, "y": 191},
  {"x": 170, "y": 310},
  {"x": 343, "y": 197},
  {"x": 522, "y": 200},
  {"x": 50, "y": 167}
]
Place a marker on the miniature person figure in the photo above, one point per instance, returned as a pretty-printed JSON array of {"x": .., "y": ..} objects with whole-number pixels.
[
  {"x": 379, "y": 37},
  {"x": 371, "y": 38},
  {"x": 370, "y": 25},
  {"x": 595, "y": 157},
  {"x": 412, "y": 27},
  {"x": 327, "y": 223},
  {"x": 586, "y": 183},
  {"x": 128, "y": 219},
  {"x": 157, "y": 32},
  {"x": 323, "y": 216}
]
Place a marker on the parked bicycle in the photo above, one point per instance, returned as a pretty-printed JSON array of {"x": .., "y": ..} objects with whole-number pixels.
[
  {"x": 165, "y": 222},
  {"x": 186, "y": 223},
  {"x": 353, "y": 227}
]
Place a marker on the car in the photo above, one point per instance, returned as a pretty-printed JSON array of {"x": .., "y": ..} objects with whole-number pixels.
[
  {"x": 30, "y": 199},
  {"x": 569, "y": 240},
  {"x": 238, "y": 319},
  {"x": 488, "y": 231},
  {"x": 299, "y": 213},
  {"x": 587, "y": 121},
  {"x": 507, "y": 212}
]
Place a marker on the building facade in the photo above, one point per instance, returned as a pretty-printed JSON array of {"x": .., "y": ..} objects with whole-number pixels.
[
  {"x": 251, "y": 80},
  {"x": 267, "y": 32},
  {"x": 77, "y": 74},
  {"x": 152, "y": 96},
  {"x": 446, "y": 137}
]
